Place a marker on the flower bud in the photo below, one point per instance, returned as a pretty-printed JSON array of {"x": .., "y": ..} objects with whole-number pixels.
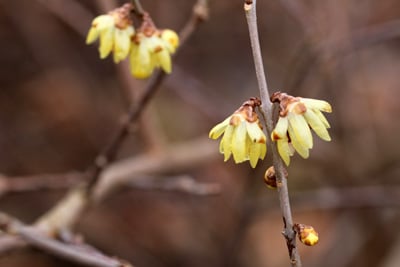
[
  {"x": 307, "y": 235},
  {"x": 270, "y": 178}
]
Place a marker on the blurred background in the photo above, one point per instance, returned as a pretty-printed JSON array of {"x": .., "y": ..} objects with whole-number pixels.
[{"x": 60, "y": 105}]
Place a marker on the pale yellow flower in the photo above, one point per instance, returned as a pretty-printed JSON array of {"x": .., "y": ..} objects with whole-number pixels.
[
  {"x": 297, "y": 115},
  {"x": 243, "y": 137},
  {"x": 115, "y": 31},
  {"x": 150, "y": 51}
]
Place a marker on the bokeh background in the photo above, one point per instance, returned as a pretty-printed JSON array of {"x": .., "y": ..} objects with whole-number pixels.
[{"x": 60, "y": 105}]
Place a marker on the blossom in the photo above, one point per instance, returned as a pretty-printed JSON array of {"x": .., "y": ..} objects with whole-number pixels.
[
  {"x": 297, "y": 115},
  {"x": 152, "y": 48},
  {"x": 115, "y": 31},
  {"x": 243, "y": 136},
  {"x": 150, "y": 52}
]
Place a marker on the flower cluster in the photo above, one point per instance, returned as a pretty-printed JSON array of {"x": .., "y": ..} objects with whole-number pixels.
[
  {"x": 152, "y": 48},
  {"x": 243, "y": 135},
  {"x": 115, "y": 31},
  {"x": 148, "y": 47},
  {"x": 297, "y": 115}
]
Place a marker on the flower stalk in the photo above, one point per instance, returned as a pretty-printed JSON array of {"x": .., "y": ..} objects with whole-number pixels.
[{"x": 266, "y": 110}]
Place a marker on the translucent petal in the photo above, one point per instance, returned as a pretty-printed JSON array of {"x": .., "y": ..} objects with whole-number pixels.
[
  {"x": 164, "y": 60},
  {"x": 300, "y": 129},
  {"x": 122, "y": 39},
  {"x": 255, "y": 132},
  {"x": 322, "y": 118},
  {"x": 299, "y": 147},
  {"x": 171, "y": 38},
  {"x": 284, "y": 150},
  {"x": 104, "y": 22},
  {"x": 227, "y": 142},
  {"x": 219, "y": 129},
  {"x": 254, "y": 153},
  {"x": 239, "y": 143},
  {"x": 263, "y": 150},
  {"x": 317, "y": 104},
  {"x": 92, "y": 35},
  {"x": 280, "y": 130},
  {"x": 106, "y": 42},
  {"x": 317, "y": 125},
  {"x": 140, "y": 59}
]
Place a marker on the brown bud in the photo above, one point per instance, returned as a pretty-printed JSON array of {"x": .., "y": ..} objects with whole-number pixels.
[
  {"x": 307, "y": 234},
  {"x": 270, "y": 178}
]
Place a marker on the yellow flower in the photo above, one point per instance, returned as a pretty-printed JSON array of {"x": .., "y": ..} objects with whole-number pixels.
[
  {"x": 242, "y": 135},
  {"x": 152, "y": 50},
  {"x": 292, "y": 131},
  {"x": 307, "y": 234},
  {"x": 115, "y": 31}
]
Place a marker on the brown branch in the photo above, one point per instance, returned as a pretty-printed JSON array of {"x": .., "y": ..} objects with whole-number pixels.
[
  {"x": 9, "y": 185},
  {"x": 182, "y": 183},
  {"x": 266, "y": 109},
  {"x": 78, "y": 253},
  {"x": 176, "y": 157}
]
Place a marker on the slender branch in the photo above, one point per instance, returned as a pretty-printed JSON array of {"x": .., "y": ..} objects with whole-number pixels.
[
  {"x": 138, "y": 9},
  {"x": 78, "y": 253},
  {"x": 266, "y": 109}
]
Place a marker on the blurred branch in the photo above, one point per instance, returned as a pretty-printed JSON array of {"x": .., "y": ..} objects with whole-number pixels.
[
  {"x": 79, "y": 253},
  {"x": 176, "y": 157},
  {"x": 266, "y": 109},
  {"x": 182, "y": 183},
  {"x": 38, "y": 182}
]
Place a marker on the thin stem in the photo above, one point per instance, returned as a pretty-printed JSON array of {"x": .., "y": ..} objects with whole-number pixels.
[
  {"x": 138, "y": 9},
  {"x": 266, "y": 109}
]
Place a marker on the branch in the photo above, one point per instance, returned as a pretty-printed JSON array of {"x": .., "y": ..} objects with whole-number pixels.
[
  {"x": 266, "y": 109},
  {"x": 176, "y": 157},
  {"x": 20, "y": 184},
  {"x": 78, "y": 253}
]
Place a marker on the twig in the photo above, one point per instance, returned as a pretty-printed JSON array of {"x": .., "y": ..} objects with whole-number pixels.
[
  {"x": 176, "y": 157},
  {"x": 266, "y": 109},
  {"x": 138, "y": 9},
  {"x": 78, "y": 253},
  {"x": 39, "y": 182},
  {"x": 182, "y": 183}
]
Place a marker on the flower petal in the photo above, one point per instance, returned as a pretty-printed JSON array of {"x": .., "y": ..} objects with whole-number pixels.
[
  {"x": 322, "y": 118},
  {"x": 227, "y": 142},
  {"x": 253, "y": 152},
  {"x": 239, "y": 143},
  {"x": 122, "y": 43},
  {"x": 317, "y": 104},
  {"x": 284, "y": 150},
  {"x": 93, "y": 34},
  {"x": 299, "y": 146},
  {"x": 219, "y": 129},
  {"x": 280, "y": 130},
  {"x": 300, "y": 129},
  {"x": 106, "y": 42},
  {"x": 255, "y": 133},
  {"x": 317, "y": 125}
]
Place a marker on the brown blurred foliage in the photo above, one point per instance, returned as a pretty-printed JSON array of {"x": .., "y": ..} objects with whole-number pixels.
[{"x": 59, "y": 105}]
